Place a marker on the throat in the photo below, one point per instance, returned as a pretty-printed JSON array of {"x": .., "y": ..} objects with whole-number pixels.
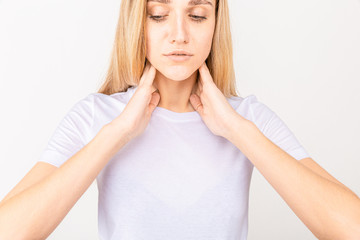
[{"x": 188, "y": 108}]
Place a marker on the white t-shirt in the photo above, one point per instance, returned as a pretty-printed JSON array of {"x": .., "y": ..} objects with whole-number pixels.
[{"x": 176, "y": 180}]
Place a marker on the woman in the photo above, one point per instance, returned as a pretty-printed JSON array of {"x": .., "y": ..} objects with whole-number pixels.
[{"x": 171, "y": 144}]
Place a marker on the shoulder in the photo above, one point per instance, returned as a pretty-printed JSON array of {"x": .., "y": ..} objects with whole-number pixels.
[
  {"x": 100, "y": 100},
  {"x": 102, "y": 105},
  {"x": 118, "y": 98},
  {"x": 251, "y": 108},
  {"x": 247, "y": 105}
]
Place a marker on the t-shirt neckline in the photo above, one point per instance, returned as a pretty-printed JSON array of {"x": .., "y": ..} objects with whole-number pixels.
[
  {"x": 160, "y": 111},
  {"x": 163, "y": 112}
]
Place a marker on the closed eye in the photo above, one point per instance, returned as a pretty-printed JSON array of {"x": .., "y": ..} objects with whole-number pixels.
[{"x": 159, "y": 18}]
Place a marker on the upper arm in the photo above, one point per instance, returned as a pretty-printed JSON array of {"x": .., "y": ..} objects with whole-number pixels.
[
  {"x": 71, "y": 134},
  {"x": 311, "y": 164},
  {"x": 39, "y": 171},
  {"x": 275, "y": 129}
]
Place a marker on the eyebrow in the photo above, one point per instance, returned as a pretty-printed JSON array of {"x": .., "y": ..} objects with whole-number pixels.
[{"x": 191, "y": 2}]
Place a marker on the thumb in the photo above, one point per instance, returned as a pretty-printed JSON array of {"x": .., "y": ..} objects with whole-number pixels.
[
  {"x": 196, "y": 103},
  {"x": 155, "y": 99}
]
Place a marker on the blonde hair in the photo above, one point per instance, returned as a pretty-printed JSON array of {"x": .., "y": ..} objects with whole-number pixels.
[{"x": 128, "y": 57}]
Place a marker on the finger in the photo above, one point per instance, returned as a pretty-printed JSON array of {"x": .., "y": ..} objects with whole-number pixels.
[
  {"x": 153, "y": 89},
  {"x": 155, "y": 99},
  {"x": 150, "y": 76},
  {"x": 145, "y": 70},
  {"x": 205, "y": 74},
  {"x": 196, "y": 103}
]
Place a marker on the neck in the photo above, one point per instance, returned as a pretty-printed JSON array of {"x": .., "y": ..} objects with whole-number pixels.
[{"x": 175, "y": 95}]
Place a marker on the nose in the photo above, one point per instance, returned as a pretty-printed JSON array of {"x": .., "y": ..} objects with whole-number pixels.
[{"x": 178, "y": 30}]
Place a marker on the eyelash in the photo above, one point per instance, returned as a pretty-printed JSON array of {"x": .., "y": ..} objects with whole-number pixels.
[{"x": 156, "y": 18}]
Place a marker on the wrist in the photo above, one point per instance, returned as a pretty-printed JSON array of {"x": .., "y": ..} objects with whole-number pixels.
[
  {"x": 238, "y": 128},
  {"x": 119, "y": 133}
]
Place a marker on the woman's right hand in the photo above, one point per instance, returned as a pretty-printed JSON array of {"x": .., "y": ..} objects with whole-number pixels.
[{"x": 137, "y": 112}]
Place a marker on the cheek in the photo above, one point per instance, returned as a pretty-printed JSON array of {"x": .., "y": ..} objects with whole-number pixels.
[
  {"x": 152, "y": 43},
  {"x": 204, "y": 43},
  {"x": 203, "y": 36},
  {"x": 209, "y": 39},
  {"x": 209, "y": 36}
]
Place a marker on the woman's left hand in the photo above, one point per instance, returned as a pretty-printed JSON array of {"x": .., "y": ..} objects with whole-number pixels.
[{"x": 212, "y": 105}]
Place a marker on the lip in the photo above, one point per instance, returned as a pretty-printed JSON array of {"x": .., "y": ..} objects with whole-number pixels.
[
  {"x": 179, "y": 51},
  {"x": 179, "y": 58}
]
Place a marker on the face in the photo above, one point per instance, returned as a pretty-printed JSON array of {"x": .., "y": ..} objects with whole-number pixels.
[{"x": 179, "y": 25}]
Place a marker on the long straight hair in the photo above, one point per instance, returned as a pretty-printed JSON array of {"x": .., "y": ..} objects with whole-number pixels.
[{"x": 128, "y": 56}]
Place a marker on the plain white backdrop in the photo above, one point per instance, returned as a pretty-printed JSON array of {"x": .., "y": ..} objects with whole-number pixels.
[{"x": 300, "y": 58}]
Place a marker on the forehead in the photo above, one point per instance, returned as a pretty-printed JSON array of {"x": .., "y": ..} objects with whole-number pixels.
[{"x": 190, "y": 3}]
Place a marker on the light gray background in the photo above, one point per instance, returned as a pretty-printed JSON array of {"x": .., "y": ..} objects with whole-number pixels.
[{"x": 300, "y": 58}]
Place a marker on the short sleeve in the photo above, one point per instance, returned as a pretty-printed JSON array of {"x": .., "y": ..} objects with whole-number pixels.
[
  {"x": 71, "y": 134},
  {"x": 270, "y": 124}
]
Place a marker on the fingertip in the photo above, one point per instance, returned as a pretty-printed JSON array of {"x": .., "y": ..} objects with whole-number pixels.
[
  {"x": 152, "y": 70},
  {"x": 154, "y": 101},
  {"x": 154, "y": 89},
  {"x": 202, "y": 67}
]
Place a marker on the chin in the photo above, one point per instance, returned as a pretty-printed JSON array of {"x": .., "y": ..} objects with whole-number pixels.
[{"x": 178, "y": 72}]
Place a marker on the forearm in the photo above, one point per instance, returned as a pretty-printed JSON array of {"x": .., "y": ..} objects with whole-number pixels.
[
  {"x": 326, "y": 208},
  {"x": 38, "y": 210}
]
